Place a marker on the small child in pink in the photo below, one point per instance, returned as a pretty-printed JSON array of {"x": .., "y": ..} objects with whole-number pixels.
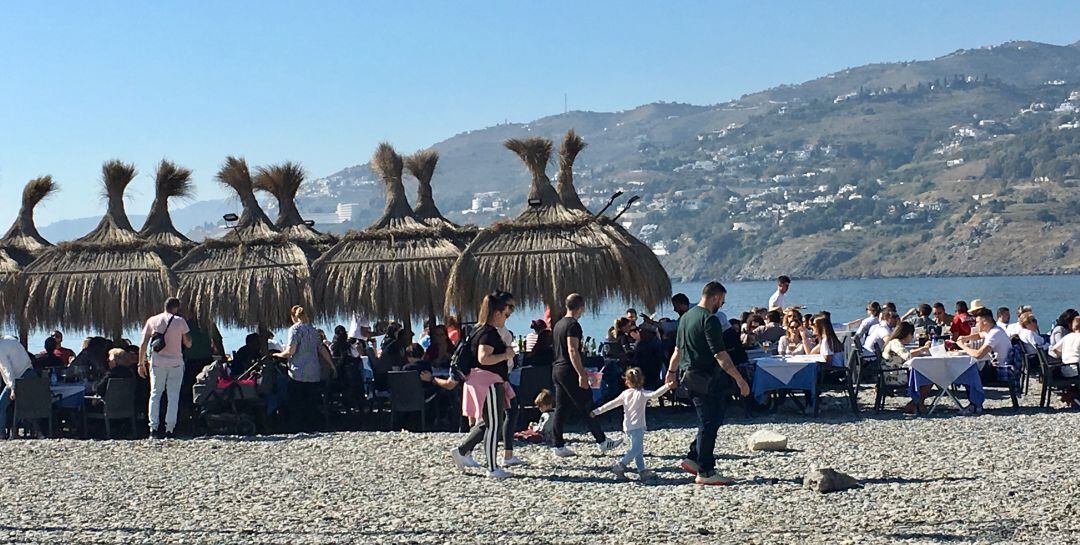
[{"x": 633, "y": 401}]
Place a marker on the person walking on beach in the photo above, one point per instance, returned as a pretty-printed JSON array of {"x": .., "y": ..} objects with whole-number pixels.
[
  {"x": 573, "y": 395},
  {"x": 486, "y": 393},
  {"x": 633, "y": 400},
  {"x": 165, "y": 365},
  {"x": 707, "y": 372}
]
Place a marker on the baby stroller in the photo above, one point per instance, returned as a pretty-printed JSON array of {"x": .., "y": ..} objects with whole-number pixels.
[{"x": 230, "y": 405}]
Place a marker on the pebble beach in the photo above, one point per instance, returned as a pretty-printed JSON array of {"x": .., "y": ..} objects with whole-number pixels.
[{"x": 1002, "y": 477}]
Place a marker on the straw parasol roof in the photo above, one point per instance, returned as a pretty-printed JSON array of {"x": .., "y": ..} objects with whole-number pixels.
[
  {"x": 283, "y": 181},
  {"x": 251, "y": 276},
  {"x": 422, "y": 166},
  {"x": 396, "y": 268},
  {"x": 109, "y": 279},
  {"x": 171, "y": 181},
  {"x": 651, "y": 282},
  {"x": 542, "y": 255},
  {"x": 22, "y": 243}
]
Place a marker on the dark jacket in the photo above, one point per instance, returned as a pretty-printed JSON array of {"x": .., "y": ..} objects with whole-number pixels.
[{"x": 102, "y": 384}]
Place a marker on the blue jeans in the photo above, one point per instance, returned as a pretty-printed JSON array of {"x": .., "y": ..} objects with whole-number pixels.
[
  {"x": 637, "y": 449},
  {"x": 710, "y": 413}
]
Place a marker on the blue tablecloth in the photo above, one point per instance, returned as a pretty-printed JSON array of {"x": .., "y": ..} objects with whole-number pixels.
[
  {"x": 804, "y": 379},
  {"x": 969, "y": 378}
]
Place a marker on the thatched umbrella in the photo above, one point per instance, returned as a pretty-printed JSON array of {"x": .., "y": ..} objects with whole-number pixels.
[
  {"x": 650, "y": 280},
  {"x": 283, "y": 181},
  {"x": 109, "y": 279},
  {"x": 21, "y": 245},
  {"x": 396, "y": 268},
  {"x": 253, "y": 275},
  {"x": 542, "y": 255},
  {"x": 422, "y": 166},
  {"x": 171, "y": 181}
]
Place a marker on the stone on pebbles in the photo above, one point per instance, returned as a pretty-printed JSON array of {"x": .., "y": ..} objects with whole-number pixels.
[
  {"x": 824, "y": 480},
  {"x": 766, "y": 440}
]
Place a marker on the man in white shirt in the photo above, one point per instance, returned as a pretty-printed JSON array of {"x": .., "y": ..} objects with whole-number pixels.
[
  {"x": 14, "y": 364},
  {"x": 995, "y": 343},
  {"x": 875, "y": 337},
  {"x": 1003, "y": 317},
  {"x": 873, "y": 313},
  {"x": 165, "y": 366},
  {"x": 779, "y": 297}
]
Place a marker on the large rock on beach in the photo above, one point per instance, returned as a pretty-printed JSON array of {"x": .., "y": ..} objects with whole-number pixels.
[
  {"x": 825, "y": 480},
  {"x": 766, "y": 440}
]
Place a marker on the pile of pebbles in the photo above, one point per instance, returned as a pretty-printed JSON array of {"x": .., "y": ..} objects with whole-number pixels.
[{"x": 1000, "y": 477}]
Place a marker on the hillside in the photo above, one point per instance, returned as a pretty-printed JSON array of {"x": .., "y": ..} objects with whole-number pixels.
[{"x": 963, "y": 164}]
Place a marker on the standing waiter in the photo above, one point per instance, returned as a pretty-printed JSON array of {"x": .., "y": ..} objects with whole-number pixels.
[{"x": 707, "y": 373}]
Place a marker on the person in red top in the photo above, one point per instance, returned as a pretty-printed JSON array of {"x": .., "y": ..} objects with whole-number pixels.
[
  {"x": 65, "y": 354},
  {"x": 962, "y": 322},
  {"x": 453, "y": 330}
]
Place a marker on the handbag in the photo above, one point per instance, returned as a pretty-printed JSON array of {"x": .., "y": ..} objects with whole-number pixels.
[{"x": 157, "y": 340}]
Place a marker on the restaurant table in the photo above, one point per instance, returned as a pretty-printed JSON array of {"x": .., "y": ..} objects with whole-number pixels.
[
  {"x": 774, "y": 373},
  {"x": 944, "y": 372},
  {"x": 70, "y": 394}
]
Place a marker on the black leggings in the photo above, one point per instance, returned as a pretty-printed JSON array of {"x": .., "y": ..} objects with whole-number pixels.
[
  {"x": 572, "y": 399},
  {"x": 492, "y": 422},
  {"x": 305, "y": 402}
]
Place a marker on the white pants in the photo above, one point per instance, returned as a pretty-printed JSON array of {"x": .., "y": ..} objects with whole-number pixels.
[{"x": 165, "y": 378}]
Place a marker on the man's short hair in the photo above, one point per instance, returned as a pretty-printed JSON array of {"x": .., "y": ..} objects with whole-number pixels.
[
  {"x": 925, "y": 310},
  {"x": 783, "y": 279},
  {"x": 680, "y": 299},
  {"x": 774, "y": 316},
  {"x": 874, "y": 307},
  {"x": 984, "y": 313},
  {"x": 631, "y": 310},
  {"x": 940, "y": 305},
  {"x": 172, "y": 304},
  {"x": 574, "y": 301},
  {"x": 1002, "y": 310},
  {"x": 961, "y": 306},
  {"x": 887, "y": 315},
  {"x": 712, "y": 289}
]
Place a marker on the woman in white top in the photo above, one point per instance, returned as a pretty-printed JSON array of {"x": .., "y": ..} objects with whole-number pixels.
[
  {"x": 1068, "y": 350},
  {"x": 829, "y": 344},
  {"x": 1029, "y": 333},
  {"x": 896, "y": 355},
  {"x": 1062, "y": 326},
  {"x": 797, "y": 340}
]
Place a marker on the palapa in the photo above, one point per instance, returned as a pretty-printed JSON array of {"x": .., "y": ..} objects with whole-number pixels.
[
  {"x": 108, "y": 280},
  {"x": 251, "y": 276},
  {"x": 22, "y": 243},
  {"x": 171, "y": 181},
  {"x": 422, "y": 166},
  {"x": 542, "y": 255},
  {"x": 283, "y": 182},
  {"x": 646, "y": 277},
  {"x": 395, "y": 269}
]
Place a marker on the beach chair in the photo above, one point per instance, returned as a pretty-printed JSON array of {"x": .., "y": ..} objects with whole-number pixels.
[
  {"x": 33, "y": 402},
  {"x": 1009, "y": 372},
  {"x": 407, "y": 395},
  {"x": 1051, "y": 377},
  {"x": 888, "y": 384},
  {"x": 118, "y": 403},
  {"x": 845, "y": 379}
]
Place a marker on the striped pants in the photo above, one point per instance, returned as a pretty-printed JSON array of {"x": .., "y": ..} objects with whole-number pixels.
[{"x": 489, "y": 426}]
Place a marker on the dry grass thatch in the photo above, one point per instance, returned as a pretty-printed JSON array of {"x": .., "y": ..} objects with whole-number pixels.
[
  {"x": 546, "y": 253},
  {"x": 171, "y": 181},
  {"x": 397, "y": 268},
  {"x": 107, "y": 281},
  {"x": 23, "y": 243},
  {"x": 572, "y": 145},
  {"x": 283, "y": 182},
  {"x": 422, "y": 166},
  {"x": 251, "y": 276}
]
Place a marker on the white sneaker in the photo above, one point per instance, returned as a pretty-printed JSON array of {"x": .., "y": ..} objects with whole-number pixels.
[
  {"x": 514, "y": 461},
  {"x": 609, "y": 444},
  {"x": 499, "y": 473},
  {"x": 462, "y": 461},
  {"x": 563, "y": 452}
]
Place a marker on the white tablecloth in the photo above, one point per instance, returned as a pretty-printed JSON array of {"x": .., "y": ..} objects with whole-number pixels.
[
  {"x": 944, "y": 370},
  {"x": 783, "y": 368}
]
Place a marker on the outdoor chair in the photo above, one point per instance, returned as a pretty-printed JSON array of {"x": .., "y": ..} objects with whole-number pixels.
[
  {"x": 845, "y": 379},
  {"x": 118, "y": 403},
  {"x": 33, "y": 402},
  {"x": 407, "y": 395},
  {"x": 1050, "y": 371},
  {"x": 1009, "y": 373},
  {"x": 887, "y": 385}
]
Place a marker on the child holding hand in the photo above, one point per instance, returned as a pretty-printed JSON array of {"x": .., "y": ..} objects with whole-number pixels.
[{"x": 633, "y": 401}]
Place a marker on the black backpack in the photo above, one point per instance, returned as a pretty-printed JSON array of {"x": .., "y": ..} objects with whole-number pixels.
[{"x": 464, "y": 359}]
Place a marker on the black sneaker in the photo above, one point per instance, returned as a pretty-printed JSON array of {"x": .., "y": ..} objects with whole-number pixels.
[
  {"x": 170, "y": 435},
  {"x": 156, "y": 433}
]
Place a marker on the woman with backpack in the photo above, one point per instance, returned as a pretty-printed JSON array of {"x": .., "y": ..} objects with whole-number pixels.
[
  {"x": 487, "y": 391},
  {"x": 306, "y": 354}
]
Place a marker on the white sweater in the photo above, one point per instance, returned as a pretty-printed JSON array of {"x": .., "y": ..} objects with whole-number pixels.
[{"x": 633, "y": 402}]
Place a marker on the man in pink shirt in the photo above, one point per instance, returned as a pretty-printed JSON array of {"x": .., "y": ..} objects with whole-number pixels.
[{"x": 165, "y": 366}]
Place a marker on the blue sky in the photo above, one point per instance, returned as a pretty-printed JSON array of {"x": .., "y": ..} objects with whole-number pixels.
[{"x": 323, "y": 82}]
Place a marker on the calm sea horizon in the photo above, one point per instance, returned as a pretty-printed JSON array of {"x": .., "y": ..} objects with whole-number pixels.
[{"x": 1047, "y": 295}]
